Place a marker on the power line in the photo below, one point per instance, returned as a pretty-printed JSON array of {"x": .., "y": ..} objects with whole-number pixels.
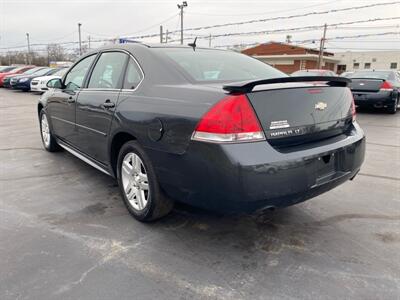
[
  {"x": 271, "y": 19},
  {"x": 297, "y": 29},
  {"x": 264, "y": 13},
  {"x": 309, "y": 41},
  {"x": 293, "y": 16}
]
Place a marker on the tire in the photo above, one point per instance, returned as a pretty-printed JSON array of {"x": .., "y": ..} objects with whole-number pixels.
[
  {"x": 48, "y": 140},
  {"x": 134, "y": 172},
  {"x": 393, "y": 108}
]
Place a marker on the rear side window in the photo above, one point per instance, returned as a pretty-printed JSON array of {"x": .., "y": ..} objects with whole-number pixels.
[
  {"x": 216, "y": 65},
  {"x": 133, "y": 75},
  {"x": 76, "y": 75},
  {"x": 107, "y": 73}
]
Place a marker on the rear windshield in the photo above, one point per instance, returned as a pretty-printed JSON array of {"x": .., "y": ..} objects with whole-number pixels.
[
  {"x": 372, "y": 74},
  {"x": 218, "y": 65}
]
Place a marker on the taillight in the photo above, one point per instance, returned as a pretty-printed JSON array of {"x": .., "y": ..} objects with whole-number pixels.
[
  {"x": 230, "y": 120},
  {"x": 386, "y": 86}
]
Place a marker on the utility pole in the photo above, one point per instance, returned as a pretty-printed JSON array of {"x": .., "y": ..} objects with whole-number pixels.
[
  {"x": 181, "y": 6},
  {"x": 89, "y": 42},
  {"x": 161, "y": 34},
  {"x": 29, "y": 48},
  {"x": 209, "y": 41},
  {"x": 80, "y": 40},
  {"x": 322, "y": 47},
  {"x": 166, "y": 36}
]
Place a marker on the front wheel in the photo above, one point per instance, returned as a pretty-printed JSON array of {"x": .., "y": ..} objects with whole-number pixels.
[
  {"x": 49, "y": 142},
  {"x": 138, "y": 184}
]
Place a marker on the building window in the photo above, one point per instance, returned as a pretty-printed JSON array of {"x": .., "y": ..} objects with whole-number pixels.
[
  {"x": 374, "y": 60},
  {"x": 393, "y": 65},
  {"x": 367, "y": 65},
  {"x": 356, "y": 65}
]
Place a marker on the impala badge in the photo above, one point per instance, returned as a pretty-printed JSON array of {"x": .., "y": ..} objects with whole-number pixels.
[{"x": 321, "y": 106}]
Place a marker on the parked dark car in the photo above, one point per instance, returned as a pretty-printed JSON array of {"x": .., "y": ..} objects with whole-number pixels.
[
  {"x": 23, "y": 81},
  {"x": 211, "y": 128},
  {"x": 314, "y": 72},
  {"x": 376, "y": 88}
]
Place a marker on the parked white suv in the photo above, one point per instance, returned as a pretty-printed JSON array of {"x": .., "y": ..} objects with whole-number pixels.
[{"x": 39, "y": 84}]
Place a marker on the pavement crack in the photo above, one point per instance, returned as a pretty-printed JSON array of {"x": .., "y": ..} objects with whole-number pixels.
[
  {"x": 36, "y": 176},
  {"x": 21, "y": 148},
  {"x": 384, "y": 145},
  {"x": 379, "y": 176},
  {"x": 344, "y": 217}
]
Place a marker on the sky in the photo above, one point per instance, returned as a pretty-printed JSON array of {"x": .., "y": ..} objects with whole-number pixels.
[{"x": 55, "y": 21}]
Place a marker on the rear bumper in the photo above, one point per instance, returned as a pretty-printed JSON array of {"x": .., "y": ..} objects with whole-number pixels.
[
  {"x": 375, "y": 99},
  {"x": 251, "y": 176}
]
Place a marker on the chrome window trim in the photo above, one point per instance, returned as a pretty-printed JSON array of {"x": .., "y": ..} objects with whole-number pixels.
[{"x": 130, "y": 55}]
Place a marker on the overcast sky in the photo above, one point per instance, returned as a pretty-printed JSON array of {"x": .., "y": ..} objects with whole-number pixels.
[{"x": 53, "y": 21}]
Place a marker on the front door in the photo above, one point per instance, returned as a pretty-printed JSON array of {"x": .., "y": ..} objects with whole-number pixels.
[
  {"x": 96, "y": 104},
  {"x": 62, "y": 103}
]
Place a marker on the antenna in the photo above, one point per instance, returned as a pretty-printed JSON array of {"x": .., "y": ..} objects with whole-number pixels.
[{"x": 193, "y": 45}]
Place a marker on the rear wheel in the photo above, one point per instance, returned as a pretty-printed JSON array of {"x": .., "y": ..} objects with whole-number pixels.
[
  {"x": 49, "y": 142},
  {"x": 138, "y": 184},
  {"x": 393, "y": 108}
]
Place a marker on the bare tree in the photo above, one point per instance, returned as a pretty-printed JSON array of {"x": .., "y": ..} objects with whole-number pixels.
[{"x": 55, "y": 52}]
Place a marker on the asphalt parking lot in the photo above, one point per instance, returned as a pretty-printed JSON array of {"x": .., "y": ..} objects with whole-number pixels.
[{"x": 65, "y": 234}]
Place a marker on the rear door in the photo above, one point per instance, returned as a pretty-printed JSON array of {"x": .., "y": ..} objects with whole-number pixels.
[
  {"x": 96, "y": 104},
  {"x": 62, "y": 102}
]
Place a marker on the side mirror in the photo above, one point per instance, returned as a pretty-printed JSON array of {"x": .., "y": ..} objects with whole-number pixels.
[{"x": 55, "y": 83}]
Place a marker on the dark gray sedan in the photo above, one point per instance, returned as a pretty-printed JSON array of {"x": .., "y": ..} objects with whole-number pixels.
[
  {"x": 376, "y": 88},
  {"x": 211, "y": 128}
]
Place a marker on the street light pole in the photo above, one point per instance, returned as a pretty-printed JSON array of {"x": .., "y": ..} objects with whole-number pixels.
[
  {"x": 181, "y": 6},
  {"x": 80, "y": 40},
  {"x": 29, "y": 48}
]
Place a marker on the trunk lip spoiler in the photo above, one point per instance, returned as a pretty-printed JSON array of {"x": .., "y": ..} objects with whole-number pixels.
[{"x": 248, "y": 85}]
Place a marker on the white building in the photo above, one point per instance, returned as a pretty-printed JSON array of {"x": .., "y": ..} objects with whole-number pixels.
[{"x": 354, "y": 60}]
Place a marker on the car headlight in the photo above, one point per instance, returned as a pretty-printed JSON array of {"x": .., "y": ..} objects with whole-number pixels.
[{"x": 23, "y": 79}]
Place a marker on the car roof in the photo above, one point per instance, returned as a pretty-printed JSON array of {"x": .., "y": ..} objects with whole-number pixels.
[{"x": 137, "y": 45}]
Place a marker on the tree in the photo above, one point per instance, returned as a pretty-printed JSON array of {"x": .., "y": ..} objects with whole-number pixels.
[{"x": 55, "y": 52}]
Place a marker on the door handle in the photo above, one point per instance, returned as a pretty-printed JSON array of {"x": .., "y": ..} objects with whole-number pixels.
[
  {"x": 71, "y": 99},
  {"x": 108, "y": 104}
]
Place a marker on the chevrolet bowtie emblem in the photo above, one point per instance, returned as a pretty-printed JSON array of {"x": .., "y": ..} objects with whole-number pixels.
[{"x": 321, "y": 106}]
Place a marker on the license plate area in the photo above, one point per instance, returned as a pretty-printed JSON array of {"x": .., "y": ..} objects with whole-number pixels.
[{"x": 328, "y": 167}]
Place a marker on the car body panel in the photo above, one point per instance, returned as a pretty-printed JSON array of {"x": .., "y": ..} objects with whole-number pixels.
[{"x": 162, "y": 112}]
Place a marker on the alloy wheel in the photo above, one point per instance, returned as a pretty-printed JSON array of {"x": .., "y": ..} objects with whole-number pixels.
[
  {"x": 45, "y": 130},
  {"x": 135, "y": 182}
]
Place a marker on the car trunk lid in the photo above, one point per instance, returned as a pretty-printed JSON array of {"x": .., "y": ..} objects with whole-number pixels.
[
  {"x": 366, "y": 84},
  {"x": 298, "y": 112}
]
